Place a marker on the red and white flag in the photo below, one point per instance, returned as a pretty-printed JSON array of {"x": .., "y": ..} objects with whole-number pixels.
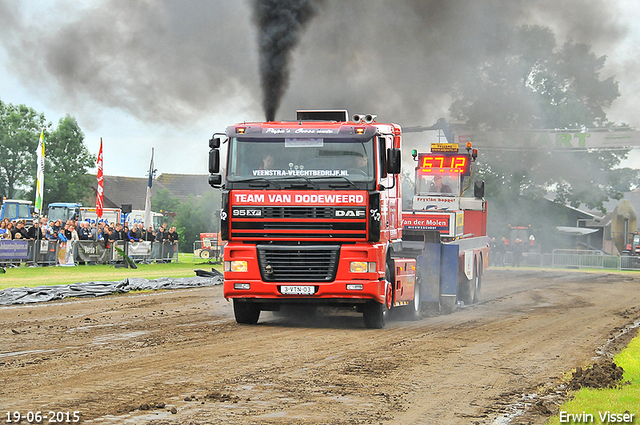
[{"x": 100, "y": 190}]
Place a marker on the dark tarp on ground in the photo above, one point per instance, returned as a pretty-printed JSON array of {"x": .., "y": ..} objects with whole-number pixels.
[{"x": 38, "y": 294}]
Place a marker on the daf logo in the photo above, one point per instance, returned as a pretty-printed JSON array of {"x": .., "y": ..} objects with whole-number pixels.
[{"x": 350, "y": 213}]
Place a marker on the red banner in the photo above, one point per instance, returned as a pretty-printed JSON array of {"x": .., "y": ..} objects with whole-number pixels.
[{"x": 100, "y": 190}]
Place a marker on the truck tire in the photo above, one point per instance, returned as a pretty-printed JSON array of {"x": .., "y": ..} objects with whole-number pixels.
[
  {"x": 375, "y": 313},
  {"x": 477, "y": 296},
  {"x": 467, "y": 292},
  {"x": 205, "y": 253},
  {"x": 246, "y": 312},
  {"x": 415, "y": 306},
  {"x": 447, "y": 304}
]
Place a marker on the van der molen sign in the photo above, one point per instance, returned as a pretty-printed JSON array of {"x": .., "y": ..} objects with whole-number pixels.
[{"x": 551, "y": 139}]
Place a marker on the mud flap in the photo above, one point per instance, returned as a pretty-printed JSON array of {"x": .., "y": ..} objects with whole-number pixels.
[
  {"x": 428, "y": 272},
  {"x": 449, "y": 270}
]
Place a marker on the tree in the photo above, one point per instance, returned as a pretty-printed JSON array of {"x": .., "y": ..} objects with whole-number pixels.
[
  {"x": 533, "y": 86},
  {"x": 67, "y": 163},
  {"x": 197, "y": 216},
  {"x": 20, "y": 128},
  {"x": 537, "y": 86},
  {"x": 163, "y": 200}
]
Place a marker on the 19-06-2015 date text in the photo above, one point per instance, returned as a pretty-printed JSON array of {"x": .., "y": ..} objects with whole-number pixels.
[{"x": 48, "y": 417}]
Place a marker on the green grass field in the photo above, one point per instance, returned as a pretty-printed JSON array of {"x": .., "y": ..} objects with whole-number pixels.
[
  {"x": 617, "y": 401},
  {"x": 36, "y": 276}
]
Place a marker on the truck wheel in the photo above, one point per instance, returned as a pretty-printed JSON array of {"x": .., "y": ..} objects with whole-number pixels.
[
  {"x": 375, "y": 313},
  {"x": 246, "y": 312},
  {"x": 447, "y": 303},
  {"x": 415, "y": 305},
  {"x": 205, "y": 253},
  {"x": 467, "y": 290},
  {"x": 478, "y": 297}
]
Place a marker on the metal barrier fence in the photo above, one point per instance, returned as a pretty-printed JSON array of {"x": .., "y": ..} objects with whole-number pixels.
[
  {"x": 69, "y": 253},
  {"x": 207, "y": 251},
  {"x": 575, "y": 259}
]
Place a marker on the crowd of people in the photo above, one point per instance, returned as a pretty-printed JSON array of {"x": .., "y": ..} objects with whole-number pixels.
[
  {"x": 500, "y": 248},
  {"x": 73, "y": 230},
  {"x": 43, "y": 229}
]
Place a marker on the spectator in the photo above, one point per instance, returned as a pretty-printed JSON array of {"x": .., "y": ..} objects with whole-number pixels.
[
  {"x": 68, "y": 225},
  {"x": 10, "y": 228},
  {"x": 134, "y": 233},
  {"x": 44, "y": 228},
  {"x": 51, "y": 233},
  {"x": 108, "y": 234},
  {"x": 501, "y": 249},
  {"x": 492, "y": 252},
  {"x": 73, "y": 233},
  {"x": 172, "y": 237},
  {"x": 71, "y": 244},
  {"x": 19, "y": 232},
  {"x": 35, "y": 232},
  {"x": 119, "y": 233},
  {"x": 85, "y": 232},
  {"x": 161, "y": 236},
  {"x": 61, "y": 234},
  {"x": 4, "y": 232},
  {"x": 148, "y": 235},
  {"x": 125, "y": 232}
]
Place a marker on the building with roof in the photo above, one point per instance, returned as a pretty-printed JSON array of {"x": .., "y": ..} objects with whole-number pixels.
[{"x": 119, "y": 190}]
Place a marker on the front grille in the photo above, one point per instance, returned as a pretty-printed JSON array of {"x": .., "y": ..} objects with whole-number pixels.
[
  {"x": 299, "y": 225},
  {"x": 298, "y": 263},
  {"x": 297, "y": 212}
]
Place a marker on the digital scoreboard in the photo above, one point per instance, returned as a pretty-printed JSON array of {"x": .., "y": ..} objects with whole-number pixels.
[{"x": 433, "y": 163}]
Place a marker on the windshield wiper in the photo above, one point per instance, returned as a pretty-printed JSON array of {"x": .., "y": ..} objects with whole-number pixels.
[
  {"x": 336, "y": 186},
  {"x": 253, "y": 182},
  {"x": 306, "y": 179}
]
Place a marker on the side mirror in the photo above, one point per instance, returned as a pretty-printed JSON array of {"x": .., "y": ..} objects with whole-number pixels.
[
  {"x": 214, "y": 161},
  {"x": 478, "y": 189},
  {"x": 393, "y": 161},
  {"x": 214, "y": 142},
  {"x": 215, "y": 180}
]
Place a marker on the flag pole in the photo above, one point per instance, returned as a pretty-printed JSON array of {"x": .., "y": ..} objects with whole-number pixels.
[{"x": 147, "y": 205}]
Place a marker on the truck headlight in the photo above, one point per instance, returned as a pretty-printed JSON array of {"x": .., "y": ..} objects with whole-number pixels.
[
  {"x": 236, "y": 266},
  {"x": 362, "y": 267}
]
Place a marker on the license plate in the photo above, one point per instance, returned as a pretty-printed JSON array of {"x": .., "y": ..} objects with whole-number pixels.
[{"x": 298, "y": 290}]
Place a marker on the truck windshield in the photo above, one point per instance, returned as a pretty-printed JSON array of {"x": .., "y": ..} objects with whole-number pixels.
[
  {"x": 273, "y": 159},
  {"x": 437, "y": 184},
  {"x": 58, "y": 213}
]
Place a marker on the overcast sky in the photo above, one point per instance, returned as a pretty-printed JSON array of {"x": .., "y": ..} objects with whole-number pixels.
[{"x": 167, "y": 74}]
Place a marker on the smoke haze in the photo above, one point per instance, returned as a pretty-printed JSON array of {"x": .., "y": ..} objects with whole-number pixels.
[
  {"x": 280, "y": 24},
  {"x": 176, "y": 62}
]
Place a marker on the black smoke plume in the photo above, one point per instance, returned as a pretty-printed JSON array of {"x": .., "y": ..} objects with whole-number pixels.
[{"x": 280, "y": 25}]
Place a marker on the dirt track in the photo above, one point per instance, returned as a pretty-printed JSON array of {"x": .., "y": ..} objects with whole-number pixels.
[{"x": 107, "y": 357}]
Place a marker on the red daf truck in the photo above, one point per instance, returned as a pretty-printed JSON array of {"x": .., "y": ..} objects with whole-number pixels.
[{"x": 312, "y": 215}]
